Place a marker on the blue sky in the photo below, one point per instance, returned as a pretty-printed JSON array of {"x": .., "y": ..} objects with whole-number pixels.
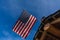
[{"x": 10, "y": 10}]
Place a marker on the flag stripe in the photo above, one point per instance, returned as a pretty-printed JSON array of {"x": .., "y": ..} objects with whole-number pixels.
[
  {"x": 16, "y": 25},
  {"x": 27, "y": 32},
  {"x": 27, "y": 26},
  {"x": 20, "y": 28}
]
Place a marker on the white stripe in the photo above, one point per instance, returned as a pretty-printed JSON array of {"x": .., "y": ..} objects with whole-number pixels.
[
  {"x": 25, "y": 25},
  {"x": 29, "y": 28},
  {"x": 20, "y": 28},
  {"x": 16, "y": 25}
]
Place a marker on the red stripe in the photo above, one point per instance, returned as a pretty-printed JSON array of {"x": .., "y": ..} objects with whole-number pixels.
[
  {"x": 27, "y": 26},
  {"x": 27, "y": 32},
  {"x": 16, "y": 25},
  {"x": 20, "y": 28}
]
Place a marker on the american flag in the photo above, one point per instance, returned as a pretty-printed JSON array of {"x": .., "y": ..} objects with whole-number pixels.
[{"x": 24, "y": 24}]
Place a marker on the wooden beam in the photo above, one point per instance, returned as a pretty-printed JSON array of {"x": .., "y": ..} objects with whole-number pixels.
[
  {"x": 56, "y": 21},
  {"x": 51, "y": 29}
]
